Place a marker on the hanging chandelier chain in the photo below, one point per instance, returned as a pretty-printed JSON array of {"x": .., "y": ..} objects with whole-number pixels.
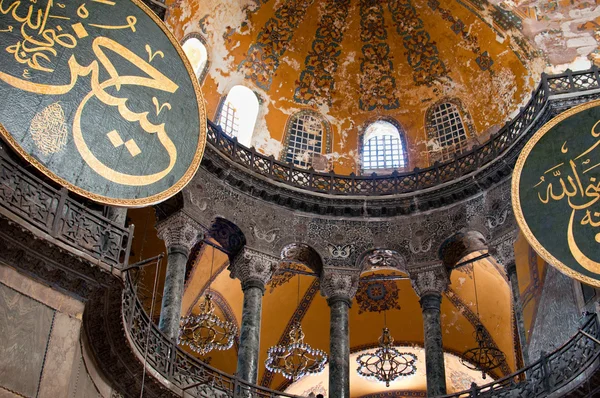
[{"x": 206, "y": 331}]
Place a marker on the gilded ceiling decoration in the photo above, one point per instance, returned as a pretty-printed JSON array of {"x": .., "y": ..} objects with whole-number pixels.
[
  {"x": 316, "y": 83},
  {"x": 263, "y": 57},
  {"x": 421, "y": 51}
]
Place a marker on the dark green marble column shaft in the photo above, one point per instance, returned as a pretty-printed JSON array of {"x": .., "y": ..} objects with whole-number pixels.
[
  {"x": 434, "y": 351},
  {"x": 511, "y": 269},
  {"x": 247, "y": 364},
  {"x": 170, "y": 312},
  {"x": 339, "y": 348}
]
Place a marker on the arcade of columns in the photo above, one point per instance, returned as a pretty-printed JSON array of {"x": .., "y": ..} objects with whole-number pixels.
[{"x": 338, "y": 284}]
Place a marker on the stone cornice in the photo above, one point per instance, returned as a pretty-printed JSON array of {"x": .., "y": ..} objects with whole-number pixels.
[{"x": 440, "y": 195}]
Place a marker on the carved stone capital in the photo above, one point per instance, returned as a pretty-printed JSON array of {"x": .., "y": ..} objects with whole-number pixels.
[
  {"x": 253, "y": 268},
  {"x": 430, "y": 281},
  {"x": 339, "y": 283},
  {"x": 503, "y": 250},
  {"x": 179, "y": 231}
]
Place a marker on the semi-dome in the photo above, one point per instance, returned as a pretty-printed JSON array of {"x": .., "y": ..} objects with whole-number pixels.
[{"x": 445, "y": 74}]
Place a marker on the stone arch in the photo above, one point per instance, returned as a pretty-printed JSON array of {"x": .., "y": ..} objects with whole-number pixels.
[
  {"x": 304, "y": 254},
  {"x": 229, "y": 236},
  {"x": 381, "y": 259},
  {"x": 460, "y": 245}
]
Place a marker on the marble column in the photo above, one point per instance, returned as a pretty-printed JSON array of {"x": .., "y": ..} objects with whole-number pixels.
[
  {"x": 254, "y": 269},
  {"x": 339, "y": 286},
  {"x": 430, "y": 285},
  {"x": 503, "y": 250},
  {"x": 511, "y": 271},
  {"x": 180, "y": 233}
]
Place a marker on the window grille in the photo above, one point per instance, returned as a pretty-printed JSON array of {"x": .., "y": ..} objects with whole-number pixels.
[
  {"x": 383, "y": 148},
  {"x": 448, "y": 131},
  {"x": 305, "y": 139},
  {"x": 229, "y": 120}
]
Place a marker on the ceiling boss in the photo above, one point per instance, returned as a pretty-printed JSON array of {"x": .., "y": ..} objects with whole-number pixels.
[
  {"x": 555, "y": 190},
  {"x": 117, "y": 112}
]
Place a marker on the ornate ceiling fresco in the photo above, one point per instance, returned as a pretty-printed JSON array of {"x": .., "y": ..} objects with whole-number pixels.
[{"x": 358, "y": 60}]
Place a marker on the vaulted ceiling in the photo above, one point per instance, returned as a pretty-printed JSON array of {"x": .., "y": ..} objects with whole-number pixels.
[{"x": 358, "y": 60}]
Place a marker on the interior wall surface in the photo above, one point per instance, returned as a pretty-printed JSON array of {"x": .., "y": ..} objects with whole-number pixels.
[{"x": 43, "y": 353}]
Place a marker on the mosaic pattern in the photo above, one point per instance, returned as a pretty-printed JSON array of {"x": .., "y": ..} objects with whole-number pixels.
[
  {"x": 263, "y": 57},
  {"x": 316, "y": 83},
  {"x": 422, "y": 53},
  {"x": 297, "y": 317},
  {"x": 377, "y": 83},
  {"x": 483, "y": 59},
  {"x": 377, "y": 296}
]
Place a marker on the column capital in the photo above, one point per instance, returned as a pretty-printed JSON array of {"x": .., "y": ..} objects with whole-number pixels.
[
  {"x": 433, "y": 281},
  {"x": 180, "y": 231},
  {"x": 253, "y": 268},
  {"x": 339, "y": 283},
  {"x": 503, "y": 250}
]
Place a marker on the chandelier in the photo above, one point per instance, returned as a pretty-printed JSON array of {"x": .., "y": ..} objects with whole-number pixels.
[
  {"x": 295, "y": 359},
  {"x": 206, "y": 331},
  {"x": 386, "y": 363},
  {"x": 483, "y": 357}
]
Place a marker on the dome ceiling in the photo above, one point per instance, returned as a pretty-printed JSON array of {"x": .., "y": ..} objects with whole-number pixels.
[{"x": 358, "y": 60}]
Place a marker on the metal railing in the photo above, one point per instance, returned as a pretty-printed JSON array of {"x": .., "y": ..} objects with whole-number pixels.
[
  {"x": 184, "y": 371},
  {"x": 396, "y": 183},
  {"x": 549, "y": 373},
  {"x": 54, "y": 213}
]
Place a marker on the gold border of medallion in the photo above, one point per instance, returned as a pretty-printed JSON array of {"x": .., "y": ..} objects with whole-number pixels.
[
  {"x": 175, "y": 188},
  {"x": 516, "y": 201}
]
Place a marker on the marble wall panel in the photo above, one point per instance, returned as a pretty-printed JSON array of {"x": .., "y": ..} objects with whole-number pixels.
[{"x": 25, "y": 327}]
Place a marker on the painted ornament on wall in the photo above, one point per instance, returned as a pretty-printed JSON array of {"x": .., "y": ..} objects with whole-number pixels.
[
  {"x": 100, "y": 97},
  {"x": 556, "y": 189}
]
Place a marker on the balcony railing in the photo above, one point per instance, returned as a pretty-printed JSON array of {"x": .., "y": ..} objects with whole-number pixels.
[
  {"x": 548, "y": 374},
  {"x": 23, "y": 196},
  {"x": 397, "y": 183},
  {"x": 181, "y": 369}
]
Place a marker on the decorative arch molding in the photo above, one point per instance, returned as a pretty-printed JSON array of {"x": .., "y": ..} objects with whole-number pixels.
[
  {"x": 401, "y": 133},
  {"x": 195, "y": 35},
  {"x": 326, "y": 133}
]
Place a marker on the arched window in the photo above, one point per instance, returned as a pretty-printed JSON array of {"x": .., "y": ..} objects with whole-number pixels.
[
  {"x": 238, "y": 114},
  {"x": 304, "y": 136},
  {"x": 446, "y": 131},
  {"x": 383, "y": 148},
  {"x": 197, "y": 55}
]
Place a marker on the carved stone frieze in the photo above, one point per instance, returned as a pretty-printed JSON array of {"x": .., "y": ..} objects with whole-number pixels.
[
  {"x": 253, "y": 266},
  {"x": 339, "y": 282},
  {"x": 428, "y": 281},
  {"x": 180, "y": 230}
]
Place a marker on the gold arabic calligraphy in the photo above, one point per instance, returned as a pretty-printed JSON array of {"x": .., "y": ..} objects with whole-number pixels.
[
  {"x": 578, "y": 197},
  {"x": 37, "y": 45}
]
